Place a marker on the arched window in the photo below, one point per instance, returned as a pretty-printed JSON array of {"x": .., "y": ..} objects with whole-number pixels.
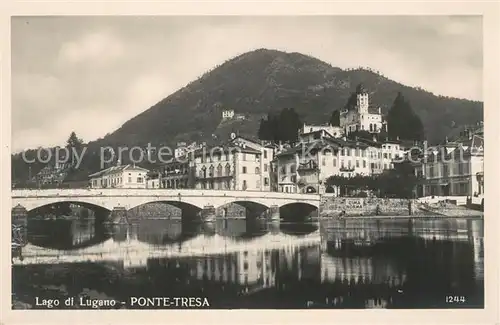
[
  {"x": 204, "y": 171},
  {"x": 211, "y": 171},
  {"x": 228, "y": 169},
  {"x": 219, "y": 170},
  {"x": 201, "y": 173}
]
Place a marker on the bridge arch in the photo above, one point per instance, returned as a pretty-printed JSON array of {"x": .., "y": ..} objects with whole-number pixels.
[
  {"x": 178, "y": 204},
  {"x": 298, "y": 211},
  {"x": 253, "y": 208},
  {"x": 87, "y": 203}
]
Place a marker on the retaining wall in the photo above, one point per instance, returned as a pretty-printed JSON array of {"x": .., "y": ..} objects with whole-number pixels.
[{"x": 334, "y": 206}]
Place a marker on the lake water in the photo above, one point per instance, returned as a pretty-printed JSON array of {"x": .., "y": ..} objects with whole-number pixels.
[{"x": 350, "y": 263}]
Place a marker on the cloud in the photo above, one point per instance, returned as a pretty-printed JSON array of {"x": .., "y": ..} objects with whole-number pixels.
[
  {"x": 92, "y": 74},
  {"x": 97, "y": 47}
]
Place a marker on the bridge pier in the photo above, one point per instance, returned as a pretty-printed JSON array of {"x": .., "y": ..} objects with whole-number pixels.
[
  {"x": 119, "y": 216},
  {"x": 273, "y": 214},
  {"x": 19, "y": 216},
  {"x": 207, "y": 214}
]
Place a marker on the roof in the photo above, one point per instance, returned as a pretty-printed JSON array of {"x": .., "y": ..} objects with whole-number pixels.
[
  {"x": 317, "y": 131},
  {"x": 116, "y": 169},
  {"x": 226, "y": 148},
  {"x": 331, "y": 143}
]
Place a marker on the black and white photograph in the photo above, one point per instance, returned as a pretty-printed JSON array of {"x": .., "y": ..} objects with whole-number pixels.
[{"x": 247, "y": 162}]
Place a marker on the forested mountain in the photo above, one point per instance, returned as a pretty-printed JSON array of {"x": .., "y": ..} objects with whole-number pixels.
[{"x": 264, "y": 81}]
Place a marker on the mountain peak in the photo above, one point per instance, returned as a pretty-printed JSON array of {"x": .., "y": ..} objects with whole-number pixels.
[{"x": 264, "y": 81}]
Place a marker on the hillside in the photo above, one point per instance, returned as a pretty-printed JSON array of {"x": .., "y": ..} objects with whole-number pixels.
[{"x": 263, "y": 81}]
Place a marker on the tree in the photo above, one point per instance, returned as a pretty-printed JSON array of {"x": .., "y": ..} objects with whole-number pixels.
[
  {"x": 74, "y": 142},
  {"x": 335, "y": 118},
  {"x": 402, "y": 122},
  {"x": 282, "y": 127}
]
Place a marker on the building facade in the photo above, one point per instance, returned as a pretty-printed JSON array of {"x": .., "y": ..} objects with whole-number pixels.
[
  {"x": 306, "y": 167},
  {"x": 452, "y": 169},
  {"x": 126, "y": 176}
]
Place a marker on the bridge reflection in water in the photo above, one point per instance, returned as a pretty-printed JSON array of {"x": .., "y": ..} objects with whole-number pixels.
[{"x": 255, "y": 264}]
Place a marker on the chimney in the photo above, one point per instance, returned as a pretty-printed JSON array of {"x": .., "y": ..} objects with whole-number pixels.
[
  {"x": 374, "y": 138},
  {"x": 379, "y": 110},
  {"x": 469, "y": 134},
  {"x": 446, "y": 140},
  {"x": 344, "y": 138}
]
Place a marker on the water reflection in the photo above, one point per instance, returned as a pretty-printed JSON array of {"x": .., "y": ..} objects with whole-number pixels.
[{"x": 236, "y": 263}]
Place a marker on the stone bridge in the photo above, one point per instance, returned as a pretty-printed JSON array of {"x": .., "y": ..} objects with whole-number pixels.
[{"x": 122, "y": 200}]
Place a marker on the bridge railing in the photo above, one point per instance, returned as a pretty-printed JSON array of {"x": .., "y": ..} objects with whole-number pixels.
[{"x": 160, "y": 192}]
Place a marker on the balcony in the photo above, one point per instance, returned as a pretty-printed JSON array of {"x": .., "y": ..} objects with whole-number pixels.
[
  {"x": 310, "y": 165},
  {"x": 215, "y": 176},
  {"x": 347, "y": 169}
]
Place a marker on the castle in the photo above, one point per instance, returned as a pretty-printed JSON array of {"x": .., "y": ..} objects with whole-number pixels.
[{"x": 362, "y": 116}]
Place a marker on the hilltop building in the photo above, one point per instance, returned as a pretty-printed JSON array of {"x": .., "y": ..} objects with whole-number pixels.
[
  {"x": 227, "y": 114},
  {"x": 362, "y": 116}
]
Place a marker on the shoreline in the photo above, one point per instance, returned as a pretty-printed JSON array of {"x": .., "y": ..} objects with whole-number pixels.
[{"x": 437, "y": 216}]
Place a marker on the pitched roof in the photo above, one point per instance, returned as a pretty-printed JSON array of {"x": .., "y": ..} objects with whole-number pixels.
[{"x": 116, "y": 169}]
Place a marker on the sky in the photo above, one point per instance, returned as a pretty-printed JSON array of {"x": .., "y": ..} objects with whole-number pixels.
[{"x": 91, "y": 74}]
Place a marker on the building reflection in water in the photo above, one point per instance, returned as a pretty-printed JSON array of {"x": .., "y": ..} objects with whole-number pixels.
[{"x": 250, "y": 264}]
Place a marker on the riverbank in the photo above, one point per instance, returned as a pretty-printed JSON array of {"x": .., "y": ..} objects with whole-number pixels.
[{"x": 340, "y": 207}]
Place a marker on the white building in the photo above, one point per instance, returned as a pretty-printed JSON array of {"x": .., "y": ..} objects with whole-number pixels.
[
  {"x": 362, "y": 116},
  {"x": 126, "y": 176},
  {"x": 306, "y": 167},
  {"x": 227, "y": 167},
  {"x": 266, "y": 157},
  {"x": 227, "y": 114},
  {"x": 453, "y": 169}
]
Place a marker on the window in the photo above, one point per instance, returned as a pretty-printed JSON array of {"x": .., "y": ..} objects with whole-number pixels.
[
  {"x": 244, "y": 185},
  {"x": 257, "y": 170},
  {"x": 265, "y": 154},
  {"x": 244, "y": 156},
  {"x": 244, "y": 170},
  {"x": 334, "y": 162},
  {"x": 323, "y": 161},
  {"x": 265, "y": 167},
  {"x": 357, "y": 163},
  {"x": 364, "y": 163},
  {"x": 292, "y": 169},
  {"x": 228, "y": 169},
  {"x": 130, "y": 179},
  {"x": 211, "y": 171},
  {"x": 266, "y": 181},
  {"x": 139, "y": 179}
]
